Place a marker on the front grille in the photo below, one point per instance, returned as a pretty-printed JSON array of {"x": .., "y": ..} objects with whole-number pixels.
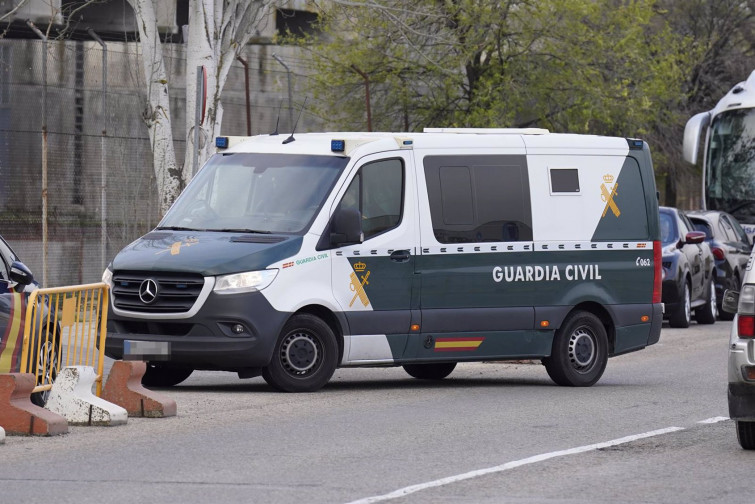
[{"x": 176, "y": 292}]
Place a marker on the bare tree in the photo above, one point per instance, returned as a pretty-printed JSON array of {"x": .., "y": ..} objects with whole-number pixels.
[{"x": 218, "y": 32}]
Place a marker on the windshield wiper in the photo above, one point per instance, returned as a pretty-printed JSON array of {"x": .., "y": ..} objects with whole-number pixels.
[
  {"x": 177, "y": 228},
  {"x": 241, "y": 230}
]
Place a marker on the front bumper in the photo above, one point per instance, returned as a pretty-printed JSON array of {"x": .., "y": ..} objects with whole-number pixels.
[{"x": 206, "y": 340}]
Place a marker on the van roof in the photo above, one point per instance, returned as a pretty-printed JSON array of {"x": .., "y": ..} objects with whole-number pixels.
[{"x": 528, "y": 139}]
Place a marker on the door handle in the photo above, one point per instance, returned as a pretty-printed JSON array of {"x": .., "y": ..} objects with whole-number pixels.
[{"x": 400, "y": 256}]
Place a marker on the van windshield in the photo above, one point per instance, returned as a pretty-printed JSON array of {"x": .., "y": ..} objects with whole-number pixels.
[{"x": 264, "y": 193}]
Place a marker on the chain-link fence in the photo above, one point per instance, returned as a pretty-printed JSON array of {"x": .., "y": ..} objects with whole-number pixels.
[{"x": 53, "y": 127}]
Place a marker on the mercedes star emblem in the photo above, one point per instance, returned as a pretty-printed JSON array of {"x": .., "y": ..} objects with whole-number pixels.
[{"x": 148, "y": 291}]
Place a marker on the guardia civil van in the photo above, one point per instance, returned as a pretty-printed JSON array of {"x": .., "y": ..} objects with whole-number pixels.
[{"x": 291, "y": 258}]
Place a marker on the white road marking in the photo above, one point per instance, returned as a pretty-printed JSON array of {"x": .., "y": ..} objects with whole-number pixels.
[
  {"x": 512, "y": 465},
  {"x": 714, "y": 420}
]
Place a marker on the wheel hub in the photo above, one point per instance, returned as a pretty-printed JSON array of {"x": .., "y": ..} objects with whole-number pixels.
[
  {"x": 581, "y": 349},
  {"x": 300, "y": 353}
]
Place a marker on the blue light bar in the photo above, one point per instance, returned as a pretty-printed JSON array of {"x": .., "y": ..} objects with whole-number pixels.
[
  {"x": 635, "y": 143},
  {"x": 221, "y": 142},
  {"x": 338, "y": 145}
]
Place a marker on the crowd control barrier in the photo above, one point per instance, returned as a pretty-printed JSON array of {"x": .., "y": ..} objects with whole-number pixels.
[{"x": 65, "y": 326}]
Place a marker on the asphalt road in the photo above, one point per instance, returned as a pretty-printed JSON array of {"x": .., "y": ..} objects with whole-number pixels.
[{"x": 492, "y": 432}]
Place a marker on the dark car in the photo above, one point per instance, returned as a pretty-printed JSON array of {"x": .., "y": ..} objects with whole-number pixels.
[
  {"x": 730, "y": 246},
  {"x": 688, "y": 271},
  {"x": 16, "y": 282}
]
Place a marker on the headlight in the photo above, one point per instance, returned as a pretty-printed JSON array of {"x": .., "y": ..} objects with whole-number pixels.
[
  {"x": 107, "y": 277},
  {"x": 248, "y": 281}
]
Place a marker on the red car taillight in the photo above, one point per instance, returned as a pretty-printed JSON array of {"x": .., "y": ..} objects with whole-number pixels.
[
  {"x": 657, "y": 271},
  {"x": 746, "y": 326},
  {"x": 718, "y": 253}
]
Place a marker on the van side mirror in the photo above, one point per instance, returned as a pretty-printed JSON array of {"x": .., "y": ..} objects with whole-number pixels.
[
  {"x": 347, "y": 227},
  {"x": 20, "y": 274},
  {"x": 730, "y": 302}
]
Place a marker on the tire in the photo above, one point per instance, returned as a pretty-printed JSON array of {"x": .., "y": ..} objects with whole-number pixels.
[
  {"x": 305, "y": 356},
  {"x": 434, "y": 371},
  {"x": 682, "y": 314},
  {"x": 706, "y": 314},
  {"x": 746, "y": 434},
  {"x": 47, "y": 370},
  {"x": 162, "y": 375},
  {"x": 580, "y": 351}
]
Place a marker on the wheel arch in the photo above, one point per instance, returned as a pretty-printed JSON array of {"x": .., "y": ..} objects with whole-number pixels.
[
  {"x": 605, "y": 318},
  {"x": 335, "y": 322}
]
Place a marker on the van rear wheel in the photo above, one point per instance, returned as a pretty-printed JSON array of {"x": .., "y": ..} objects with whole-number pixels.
[
  {"x": 434, "y": 371},
  {"x": 746, "y": 434},
  {"x": 305, "y": 355},
  {"x": 580, "y": 351}
]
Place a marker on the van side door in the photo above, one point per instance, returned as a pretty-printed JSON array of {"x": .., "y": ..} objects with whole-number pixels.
[
  {"x": 373, "y": 281},
  {"x": 476, "y": 218}
]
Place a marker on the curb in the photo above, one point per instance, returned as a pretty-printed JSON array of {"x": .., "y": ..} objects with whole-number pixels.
[
  {"x": 18, "y": 416},
  {"x": 124, "y": 388}
]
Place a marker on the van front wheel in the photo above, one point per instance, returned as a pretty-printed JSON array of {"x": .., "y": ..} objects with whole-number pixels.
[
  {"x": 580, "y": 351},
  {"x": 305, "y": 356}
]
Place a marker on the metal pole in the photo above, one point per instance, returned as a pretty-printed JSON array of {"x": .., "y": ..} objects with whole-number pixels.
[
  {"x": 44, "y": 150},
  {"x": 198, "y": 117},
  {"x": 248, "y": 104},
  {"x": 290, "y": 100},
  {"x": 103, "y": 189}
]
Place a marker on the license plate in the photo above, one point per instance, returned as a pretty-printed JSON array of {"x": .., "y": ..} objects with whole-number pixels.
[{"x": 146, "y": 350}]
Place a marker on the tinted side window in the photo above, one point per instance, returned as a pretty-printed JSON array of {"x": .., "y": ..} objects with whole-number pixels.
[
  {"x": 377, "y": 192},
  {"x": 479, "y": 198}
]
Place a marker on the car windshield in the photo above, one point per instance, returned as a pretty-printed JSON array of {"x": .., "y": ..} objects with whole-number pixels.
[
  {"x": 730, "y": 160},
  {"x": 668, "y": 228},
  {"x": 264, "y": 193}
]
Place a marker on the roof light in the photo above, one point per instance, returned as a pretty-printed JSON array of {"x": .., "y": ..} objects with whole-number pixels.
[
  {"x": 221, "y": 142},
  {"x": 338, "y": 145},
  {"x": 635, "y": 144}
]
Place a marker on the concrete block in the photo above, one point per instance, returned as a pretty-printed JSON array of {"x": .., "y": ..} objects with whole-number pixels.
[
  {"x": 19, "y": 416},
  {"x": 124, "y": 388},
  {"x": 71, "y": 396}
]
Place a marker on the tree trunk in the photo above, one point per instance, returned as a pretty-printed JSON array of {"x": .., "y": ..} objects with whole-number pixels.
[{"x": 157, "y": 113}]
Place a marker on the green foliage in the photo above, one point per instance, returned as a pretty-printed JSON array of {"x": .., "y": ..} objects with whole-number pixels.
[{"x": 567, "y": 65}]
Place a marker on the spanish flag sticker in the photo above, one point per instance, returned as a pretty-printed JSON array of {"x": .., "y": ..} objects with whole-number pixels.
[{"x": 457, "y": 344}]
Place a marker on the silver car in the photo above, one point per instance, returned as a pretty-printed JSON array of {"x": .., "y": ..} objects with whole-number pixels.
[{"x": 742, "y": 357}]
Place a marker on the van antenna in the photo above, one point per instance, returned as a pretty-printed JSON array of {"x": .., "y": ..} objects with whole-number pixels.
[
  {"x": 278, "y": 120},
  {"x": 291, "y": 138}
]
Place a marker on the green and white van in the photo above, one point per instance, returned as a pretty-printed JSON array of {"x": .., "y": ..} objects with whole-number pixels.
[{"x": 422, "y": 250}]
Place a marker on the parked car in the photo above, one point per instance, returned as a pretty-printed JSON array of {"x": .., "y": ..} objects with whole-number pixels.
[
  {"x": 15, "y": 279},
  {"x": 688, "y": 271},
  {"x": 731, "y": 249}
]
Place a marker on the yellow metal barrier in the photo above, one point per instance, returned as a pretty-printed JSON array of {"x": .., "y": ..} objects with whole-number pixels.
[{"x": 65, "y": 326}]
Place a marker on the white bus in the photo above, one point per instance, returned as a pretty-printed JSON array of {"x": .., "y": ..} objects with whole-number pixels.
[{"x": 729, "y": 153}]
